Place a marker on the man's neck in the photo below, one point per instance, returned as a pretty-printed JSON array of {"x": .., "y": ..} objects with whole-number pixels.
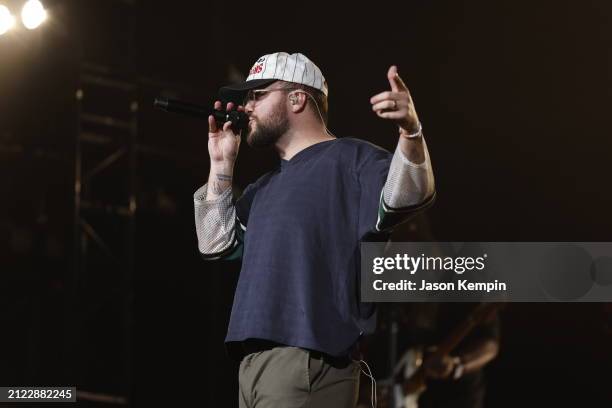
[{"x": 294, "y": 141}]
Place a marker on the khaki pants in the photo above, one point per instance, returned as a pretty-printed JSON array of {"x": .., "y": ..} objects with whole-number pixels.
[{"x": 291, "y": 377}]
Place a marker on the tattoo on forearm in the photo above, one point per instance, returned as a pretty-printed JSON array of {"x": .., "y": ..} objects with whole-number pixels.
[
  {"x": 218, "y": 187},
  {"x": 223, "y": 182}
]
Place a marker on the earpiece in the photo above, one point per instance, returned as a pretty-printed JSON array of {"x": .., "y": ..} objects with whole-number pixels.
[{"x": 293, "y": 101}]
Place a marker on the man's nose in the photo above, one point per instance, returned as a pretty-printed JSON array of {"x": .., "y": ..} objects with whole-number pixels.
[{"x": 248, "y": 107}]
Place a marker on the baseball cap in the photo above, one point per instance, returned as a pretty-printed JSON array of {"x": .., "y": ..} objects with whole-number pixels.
[{"x": 296, "y": 68}]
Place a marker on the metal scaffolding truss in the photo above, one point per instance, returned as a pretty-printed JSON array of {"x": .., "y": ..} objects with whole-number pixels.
[{"x": 105, "y": 155}]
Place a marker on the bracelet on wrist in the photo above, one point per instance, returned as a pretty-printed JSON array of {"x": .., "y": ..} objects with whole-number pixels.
[{"x": 416, "y": 135}]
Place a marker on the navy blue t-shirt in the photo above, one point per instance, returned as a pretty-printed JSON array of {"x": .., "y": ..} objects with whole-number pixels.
[{"x": 303, "y": 223}]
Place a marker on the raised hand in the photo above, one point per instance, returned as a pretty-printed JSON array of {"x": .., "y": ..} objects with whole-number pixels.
[{"x": 396, "y": 104}]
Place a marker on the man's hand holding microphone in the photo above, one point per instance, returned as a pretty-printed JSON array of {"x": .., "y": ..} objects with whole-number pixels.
[{"x": 223, "y": 145}]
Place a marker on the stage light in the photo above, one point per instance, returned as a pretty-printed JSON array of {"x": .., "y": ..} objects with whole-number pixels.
[
  {"x": 7, "y": 21},
  {"x": 33, "y": 14}
]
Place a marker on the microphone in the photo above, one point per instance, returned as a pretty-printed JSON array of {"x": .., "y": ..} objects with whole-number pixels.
[{"x": 240, "y": 120}]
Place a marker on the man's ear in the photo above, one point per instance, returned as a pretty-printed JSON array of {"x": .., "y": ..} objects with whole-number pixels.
[{"x": 297, "y": 101}]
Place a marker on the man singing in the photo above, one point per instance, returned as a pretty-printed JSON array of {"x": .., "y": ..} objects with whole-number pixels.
[{"x": 297, "y": 317}]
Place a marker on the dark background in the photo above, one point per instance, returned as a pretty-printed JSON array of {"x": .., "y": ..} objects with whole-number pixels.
[{"x": 514, "y": 100}]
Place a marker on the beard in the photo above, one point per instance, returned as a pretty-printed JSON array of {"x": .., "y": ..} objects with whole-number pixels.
[{"x": 268, "y": 132}]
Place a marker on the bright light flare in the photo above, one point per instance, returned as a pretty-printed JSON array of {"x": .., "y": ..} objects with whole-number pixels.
[
  {"x": 33, "y": 14},
  {"x": 7, "y": 21}
]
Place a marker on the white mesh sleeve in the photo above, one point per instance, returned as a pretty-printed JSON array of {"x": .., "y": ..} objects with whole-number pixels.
[
  {"x": 408, "y": 183},
  {"x": 215, "y": 221}
]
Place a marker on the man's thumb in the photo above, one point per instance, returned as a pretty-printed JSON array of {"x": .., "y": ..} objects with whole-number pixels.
[{"x": 395, "y": 81}]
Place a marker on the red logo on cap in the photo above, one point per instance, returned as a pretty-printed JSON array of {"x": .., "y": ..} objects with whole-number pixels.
[{"x": 256, "y": 69}]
